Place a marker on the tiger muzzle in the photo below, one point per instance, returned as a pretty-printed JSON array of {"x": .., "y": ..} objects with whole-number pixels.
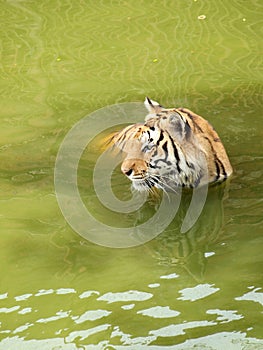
[{"x": 134, "y": 168}]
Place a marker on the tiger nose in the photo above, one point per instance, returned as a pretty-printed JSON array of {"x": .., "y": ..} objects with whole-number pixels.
[
  {"x": 127, "y": 168},
  {"x": 133, "y": 166}
]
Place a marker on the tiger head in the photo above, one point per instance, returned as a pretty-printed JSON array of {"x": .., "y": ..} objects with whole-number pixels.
[
  {"x": 156, "y": 154},
  {"x": 167, "y": 150}
]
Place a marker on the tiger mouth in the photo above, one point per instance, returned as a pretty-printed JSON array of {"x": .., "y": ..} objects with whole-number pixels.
[
  {"x": 143, "y": 184},
  {"x": 154, "y": 182}
]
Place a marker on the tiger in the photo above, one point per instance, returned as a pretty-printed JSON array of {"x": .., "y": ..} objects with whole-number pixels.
[{"x": 173, "y": 147}]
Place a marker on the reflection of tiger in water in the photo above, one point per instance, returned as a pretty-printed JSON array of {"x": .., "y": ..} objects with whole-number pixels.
[{"x": 173, "y": 147}]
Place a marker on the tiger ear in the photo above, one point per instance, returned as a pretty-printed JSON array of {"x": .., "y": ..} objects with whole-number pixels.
[
  {"x": 178, "y": 127},
  {"x": 152, "y": 106}
]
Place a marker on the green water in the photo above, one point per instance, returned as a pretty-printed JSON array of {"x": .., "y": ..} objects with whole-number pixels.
[{"x": 62, "y": 60}]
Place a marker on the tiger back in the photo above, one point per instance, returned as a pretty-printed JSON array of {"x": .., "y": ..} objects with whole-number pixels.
[{"x": 173, "y": 147}]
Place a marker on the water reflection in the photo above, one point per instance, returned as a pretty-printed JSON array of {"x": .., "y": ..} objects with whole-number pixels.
[
  {"x": 198, "y": 292},
  {"x": 131, "y": 295},
  {"x": 179, "y": 329},
  {"x": 57, "y": 291},
  {"x": 254, "y": 295},
  {"x": 101, "y": 311},
  {"x": 159, "y": 312},
  {"x": 91, "y": 315},
  {"x": 95, "y": 324},
  {"x": 191, "y": 250},
  {"x": 225, "y": 316},
  {"x": 216, "y": 341}
]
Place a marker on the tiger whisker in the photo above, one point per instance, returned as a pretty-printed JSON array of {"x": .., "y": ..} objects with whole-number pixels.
[
  {"x": 163, "y": 184},
  {"x": 156, "y": 181},
  {"x": 149, "y": 188}
]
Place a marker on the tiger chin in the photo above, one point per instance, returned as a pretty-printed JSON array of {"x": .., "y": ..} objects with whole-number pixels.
[{"x": 172, "y": 148}]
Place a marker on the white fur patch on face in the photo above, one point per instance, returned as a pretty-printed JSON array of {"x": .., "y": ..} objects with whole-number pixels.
[{"x": 139, "y": 185}]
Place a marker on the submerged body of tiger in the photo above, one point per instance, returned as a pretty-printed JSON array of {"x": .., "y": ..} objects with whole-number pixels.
[{"x": 173, "y": 147}]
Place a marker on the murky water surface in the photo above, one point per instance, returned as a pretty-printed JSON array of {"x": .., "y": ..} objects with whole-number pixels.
[{"x": 62, "y": 60}]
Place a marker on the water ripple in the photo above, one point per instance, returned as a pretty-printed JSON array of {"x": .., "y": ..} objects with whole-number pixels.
[
  {"x": 198, "y": 292},
  {"x": 131, "y": 295},
  {"x": 61, "y": 60},
  {"x": 159, "y": 312}
]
